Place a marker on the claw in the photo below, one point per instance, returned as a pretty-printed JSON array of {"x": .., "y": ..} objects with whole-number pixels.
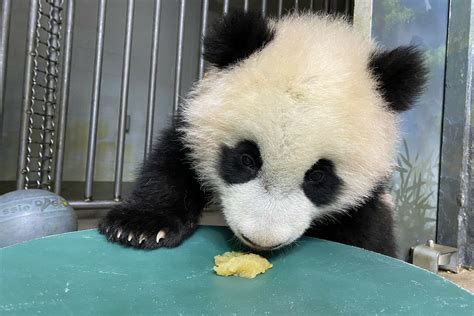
[
  {"x": 119, "y": 233},
  {"x": 130, "y": 237},
  {"x": 107, "y": 230},
  {"x": 141, "y": 239},
  {"x": 161, "y": 234}
]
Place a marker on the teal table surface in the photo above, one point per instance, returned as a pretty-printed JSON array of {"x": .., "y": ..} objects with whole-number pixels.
[{"x": 81, "y": 273}]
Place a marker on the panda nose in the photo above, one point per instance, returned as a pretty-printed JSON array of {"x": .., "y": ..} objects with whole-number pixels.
[{"x": 258, "y": 246}]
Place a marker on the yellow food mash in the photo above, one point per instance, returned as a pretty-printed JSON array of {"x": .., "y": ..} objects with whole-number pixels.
[{"x": 245, "y": 265}]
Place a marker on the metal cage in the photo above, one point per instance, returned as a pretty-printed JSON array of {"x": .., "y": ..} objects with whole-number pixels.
[{"x": 47, "y": 77}]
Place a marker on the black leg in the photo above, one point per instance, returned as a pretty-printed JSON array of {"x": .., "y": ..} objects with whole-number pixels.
[{"x": 166, "y": 203}]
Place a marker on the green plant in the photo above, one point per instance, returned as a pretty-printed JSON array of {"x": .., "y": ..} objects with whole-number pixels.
[{"x": 414, "y": 191}]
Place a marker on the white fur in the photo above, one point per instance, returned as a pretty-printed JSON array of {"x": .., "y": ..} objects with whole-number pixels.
[
  {"x": 307, "y": 95},
  {"x": 269, "y": 218}
]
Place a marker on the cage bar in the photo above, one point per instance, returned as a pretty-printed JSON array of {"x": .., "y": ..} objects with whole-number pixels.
[
  {"x": 332, "y": 6},
  {"x": 225, "y": 9},
  {"x": 27, "y": 94},
  {"x": 124, "y": 100},
  {"x": 64, "y": 98},
  {"x": 94, "y": 119},
  {"x": 296, "y": 5},
  {"x": 246, "y": 5},
  {"x": 90, "y": 205},
  {"x": 347, "y": 7},
  {"x": 264, "y": 8},
  {"x": 152, "y": 81},
  {"x": 5, "y": 27},
  {"x": 362, "y": 17},
  {"x": 280, "y": 8},
  {"x": 179, "y": 54},
  {"x": 326, "y": 6},
  {"x": 204, "y": 11}
]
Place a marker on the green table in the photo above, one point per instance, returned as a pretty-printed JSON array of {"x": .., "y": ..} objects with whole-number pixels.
[{"x": 81, "y": 273}]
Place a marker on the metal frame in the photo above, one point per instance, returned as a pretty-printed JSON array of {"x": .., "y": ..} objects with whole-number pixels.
[
  {"x": 179, "y": 54},
  {"x": 4, "y": 32},
  {"x": 264, "y": 7},
  {"x": 64, "y": 98},
  {"x": 124, "y": 101},
  {"x": 455, "y": 224},
  {"x": 153, "y": 76},
  {"x": 68, "y": 12},
  {"x": 205, "y": 9},
  {"x": 94, "y": 120},
  {"x": 225, "y": 8},
  {"x": 362, "y": 20}
]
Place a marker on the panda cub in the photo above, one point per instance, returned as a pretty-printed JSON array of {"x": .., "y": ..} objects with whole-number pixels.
[{"x": 293, "y": 130}]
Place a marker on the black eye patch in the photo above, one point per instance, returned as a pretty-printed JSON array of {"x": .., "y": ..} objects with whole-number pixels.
[
  {"x": 321, "y": 183},
  {"x": 241, "y": 163}
]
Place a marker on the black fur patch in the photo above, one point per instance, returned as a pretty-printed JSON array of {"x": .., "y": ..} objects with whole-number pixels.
[
  {"x": 321, "y": 183},
  {"x": 401, "y": 73},
  {"x": 235, "y": 37},
  {"x": 232, "y": 167},
  {"x": 166, "y": 197},
  {"x": 368, "y": 226}
]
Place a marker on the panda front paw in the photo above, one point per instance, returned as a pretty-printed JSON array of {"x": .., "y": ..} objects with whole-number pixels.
[{"x": 144, "y": 230}]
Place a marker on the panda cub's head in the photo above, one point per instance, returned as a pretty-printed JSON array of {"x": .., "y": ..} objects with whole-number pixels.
[{"x": 296, "y": 119}]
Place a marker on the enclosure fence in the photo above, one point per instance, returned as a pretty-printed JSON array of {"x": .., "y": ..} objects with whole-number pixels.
[{"x": 47, "y": 76}]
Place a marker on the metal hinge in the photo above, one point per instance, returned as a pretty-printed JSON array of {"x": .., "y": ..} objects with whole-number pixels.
[{"x": 434, "y": 257}]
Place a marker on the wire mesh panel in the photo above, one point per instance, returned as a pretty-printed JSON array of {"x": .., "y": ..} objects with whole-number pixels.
[{"x": 40, "y": 95}]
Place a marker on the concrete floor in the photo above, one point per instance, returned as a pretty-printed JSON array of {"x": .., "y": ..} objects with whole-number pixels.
[{"x": 464, "y": 279}]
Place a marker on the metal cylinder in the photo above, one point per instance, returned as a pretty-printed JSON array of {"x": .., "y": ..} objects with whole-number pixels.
[
  {"x": 264, "y": 8},
  {"x": 152, "y": 81},
  {"x": 94, "y": 118},
  {"x": 127, "y": 54},
  {"x": 204, "y": 11},
  {"x": 326, "y": 6},
  {"x": 26, "y": 100},
  {"x": 64, "y": 97},
  {"x": 91, "y": 205},
  {"x": 5, "y": 31},
  {"x": 347, "y": 7},
  {"x": 280, "y": 8},
  {"x": 333, "y": 6},
  {"x": 179, "y": 54},
  {"x": 225, "y": 9}
]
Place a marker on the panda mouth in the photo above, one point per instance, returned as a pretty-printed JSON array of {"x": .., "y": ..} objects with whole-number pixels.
[{"x": 256, "y": 246}]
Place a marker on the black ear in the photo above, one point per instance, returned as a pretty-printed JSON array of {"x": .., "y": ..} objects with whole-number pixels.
[
  {"x": 401, "y": 74},
  {"x": 235, "y": 37}
]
